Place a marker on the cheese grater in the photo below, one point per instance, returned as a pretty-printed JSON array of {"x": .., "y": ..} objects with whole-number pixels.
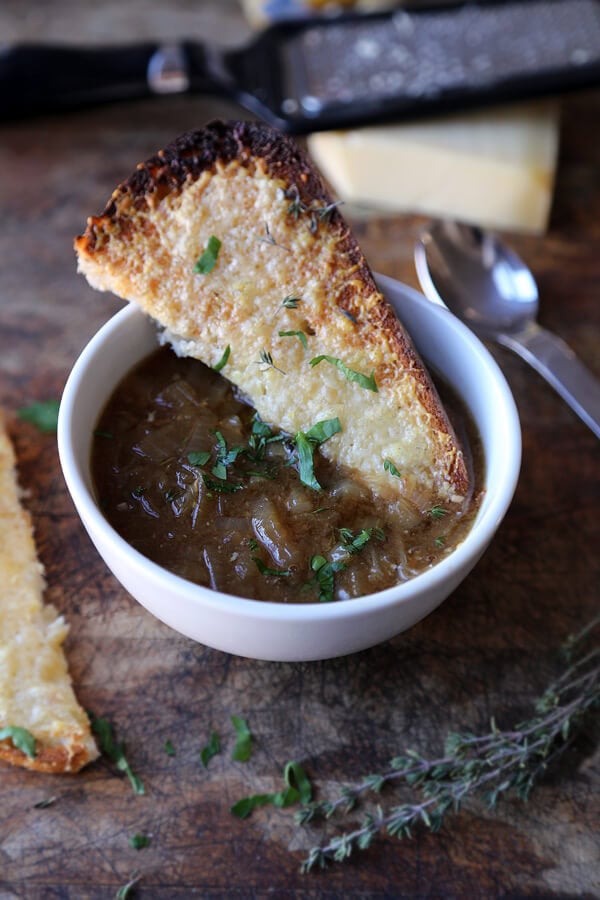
[{"x": 314, "y": 74}]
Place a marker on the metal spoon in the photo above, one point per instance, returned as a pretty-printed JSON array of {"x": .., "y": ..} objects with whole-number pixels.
[{"x": 491, "y": 289}]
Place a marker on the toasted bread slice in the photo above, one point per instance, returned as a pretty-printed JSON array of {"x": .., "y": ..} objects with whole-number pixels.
[
  {"x": 282, "y": 239},
  {"x": 35, "y": 688}
]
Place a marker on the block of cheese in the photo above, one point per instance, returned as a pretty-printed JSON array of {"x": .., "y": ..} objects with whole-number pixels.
[
  {"x": 36, "y": 693},
  {"x": 494, "y": 168}
]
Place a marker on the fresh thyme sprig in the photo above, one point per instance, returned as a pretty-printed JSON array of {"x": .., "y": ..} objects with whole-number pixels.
[
  {"x": 487, "y": 766},
  {"x": 317, "y": 213}
]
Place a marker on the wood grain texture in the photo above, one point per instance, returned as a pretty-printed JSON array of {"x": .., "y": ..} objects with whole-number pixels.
[{"x": 488, "y": 650}]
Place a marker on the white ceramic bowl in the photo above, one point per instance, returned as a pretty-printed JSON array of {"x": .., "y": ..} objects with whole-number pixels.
[{"x": 309, "y": 631}]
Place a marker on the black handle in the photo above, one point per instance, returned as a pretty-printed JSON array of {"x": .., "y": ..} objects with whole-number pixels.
[{"x": 38, "y": 79}]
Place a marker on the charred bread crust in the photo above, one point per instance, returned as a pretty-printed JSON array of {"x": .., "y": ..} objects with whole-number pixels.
[
  {"x": 254, "y": 146},
  {"x": 49, "y": 760}
]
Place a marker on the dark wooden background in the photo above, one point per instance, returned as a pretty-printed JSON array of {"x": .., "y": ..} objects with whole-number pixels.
[{"x": 489, "y": 650}]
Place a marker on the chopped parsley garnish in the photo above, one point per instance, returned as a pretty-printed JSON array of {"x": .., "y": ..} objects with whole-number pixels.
[
  {"x": 169, "y": 748},
  {"x": 125, "y": 892},
  {"x": 299, "y": 334},
  {"x": 223, "y": 361},
  {"x": 389, "y": 466},
  {"x": 44, "y": 415},
  {"x": 365, "y": 381},
  {"x": 243, "y": 742},
  {"x": 115, "y": 750},
  {"x": 438, "y": 512},
  {"x": 223, "y": 487},
  {"x": 264, "y": 570},
  {"x": 139, "y": 841},
  {"x": 139, "y": 491},
  {"x": 298, "y": 790},
  {"x": 44, "y": 804},
  {"x": 199, "y": 458},
  {"x": 208, "y": 260},
  {"x": 305, "y": 444},
  {"x": 325, "y": 576},
  {"x": 22, "y": 739},
  {"x": 353, "y": 543},
  {"x": 305, "y": 462},
  {"x": 225, "y": 456},
  {"x": 212, "y": 748},
  {"x": 440, "y": 541}
]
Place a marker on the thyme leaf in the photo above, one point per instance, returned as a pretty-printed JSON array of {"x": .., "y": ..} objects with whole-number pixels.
[
  {"x": 364, "y": 381},
  {"x": 488, "y": 765},
  {"x": 208, "y": 260},
  {"x": 267, "y": 360}
]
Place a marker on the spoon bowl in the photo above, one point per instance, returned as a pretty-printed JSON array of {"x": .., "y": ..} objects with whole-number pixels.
[{"x": 491, "y": 289}]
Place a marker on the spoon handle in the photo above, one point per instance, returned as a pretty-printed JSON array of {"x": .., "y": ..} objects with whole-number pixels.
[{"x": 561, "y": 368}]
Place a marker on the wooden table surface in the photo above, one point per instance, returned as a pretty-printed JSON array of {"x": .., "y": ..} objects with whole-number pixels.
[{"x": 488, "y": 650}]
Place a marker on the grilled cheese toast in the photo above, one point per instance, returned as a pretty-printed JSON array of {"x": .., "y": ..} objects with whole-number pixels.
[
  {"x": 35, "y": 688},
  {"x": 284, "y": 264}
]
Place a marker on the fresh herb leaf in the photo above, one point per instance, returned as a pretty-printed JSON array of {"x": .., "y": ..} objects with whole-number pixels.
[
  {"x": 267, "y": 360},
  {"x": 438, "y": 512},
  {"x": 169, "y": 748},
  {"x": 44, "y": 804},
  {"x": 389, "y": 466},
  {"x": 115, "y": 750},
  {"x": 139, "y": 491},
  {"x": 222, "y": 487},
  {"x": 440, "y": 541},
  {"x": 22, "y": 739},
  {"x": 103, "y": 434},
  {"x": 44, "y": 415},
  {"x": 320, "y": 432},
  {"x": 298, "y": 334},
  {"x": 264, "y": 570},
  {"x": 296, "y": 778},
  {"x": 269, "y": 239},
  {"x": 365, "y": 381},
  {"x": 211, "y": 749},
  {"x": 223, "y": 361},
  {"x": 354, "y": 543},
  {"x": 199, "y": 458},
  {"x": 208, "y": 260},
  {"x": 291, "y": 302},
  {"x": 253, "y": 544},
  {"x": 139, "y": 841},
  {"x": 125, "y": 892},
  {"x": 298, "y": 789},
  {"x": 323, "y": 430},
  {"x": 325, "y": 576},
  {"x": 244, "y": 807},
  {"x": 305, "y": 461},
  {"x": 243, "y": 744}
]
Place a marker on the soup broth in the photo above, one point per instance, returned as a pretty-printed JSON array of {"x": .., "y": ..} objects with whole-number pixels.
[{"x": 189, "y": 476}]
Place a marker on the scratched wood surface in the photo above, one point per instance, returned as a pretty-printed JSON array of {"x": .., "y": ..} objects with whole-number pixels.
[{"x": 488, "y": 650}]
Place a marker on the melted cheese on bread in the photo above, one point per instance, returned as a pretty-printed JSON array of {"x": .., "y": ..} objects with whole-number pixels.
[
  {"x": 280, "y": 237},
  {"x": 35, "y": 687}
]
